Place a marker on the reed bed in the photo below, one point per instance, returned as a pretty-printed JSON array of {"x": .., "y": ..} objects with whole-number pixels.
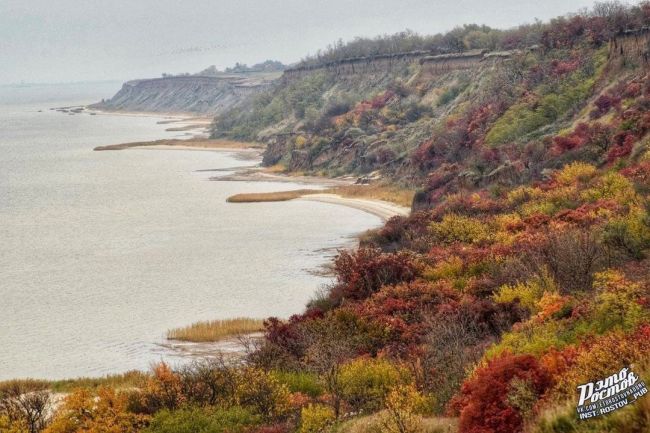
[
  {"x": 258, "y": 197},
  {"x": 128, "y": 380},
  {"x": 215, "y": 330},
  {"x": 402, "y": 197}
]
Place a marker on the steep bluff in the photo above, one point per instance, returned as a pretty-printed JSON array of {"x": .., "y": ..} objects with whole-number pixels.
[
  {"x": 191, "y": 94},
  {"x": 631, "y": 48},
  {"x": 389, "y": 63}
]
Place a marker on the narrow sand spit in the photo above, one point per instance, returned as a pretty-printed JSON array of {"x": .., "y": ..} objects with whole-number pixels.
[{"x": 382, "y": 209}]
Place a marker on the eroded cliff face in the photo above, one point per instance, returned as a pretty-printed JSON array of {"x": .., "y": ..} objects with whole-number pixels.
[
  {"x": 631, "y": 49},
  {"x": 184, "y": 94},
  {"x": 392, "y": 63}
]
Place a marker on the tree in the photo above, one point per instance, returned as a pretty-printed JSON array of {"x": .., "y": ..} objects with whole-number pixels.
[{"x": 26, "y": 406}]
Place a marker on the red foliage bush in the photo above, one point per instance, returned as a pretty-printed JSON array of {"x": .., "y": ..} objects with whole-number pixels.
[
  {"x": 400, "y": 309},
  {"x": 380, "y": 101},
  {"x": 639, "y": 173},
  {"x": 604, "y": 103},
  {"x": 363, "y": 272},
  {"x": 595, "y": 134},
  {"x": 286, "y": 334},
  {"x": 484, "y": 404},
  {"x": 564, "y": 67},
  {"x": 623, "y": 144}
]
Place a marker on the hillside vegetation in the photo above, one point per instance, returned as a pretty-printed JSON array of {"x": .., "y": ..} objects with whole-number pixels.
[{"x": 522, "y": 272}]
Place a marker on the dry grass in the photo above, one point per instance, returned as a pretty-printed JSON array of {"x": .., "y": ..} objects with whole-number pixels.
[
  {"x": 275, "y": 169},
  {"x": 371, "y": 423},
  {"x": 272, "y": 196},
  {"x": 199, "y": 143},
  {"x": 131, "y": 379},
  {"x": 215, "y": 330},
  {"x": 128, "y": 380},
  {"x": 402, "y": 197}
]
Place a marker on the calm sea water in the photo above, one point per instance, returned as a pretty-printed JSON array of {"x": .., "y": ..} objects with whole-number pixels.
[{"x": 102, "y": 252}]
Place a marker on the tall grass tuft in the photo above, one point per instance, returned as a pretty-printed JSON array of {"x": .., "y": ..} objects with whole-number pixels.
[{"x": 215, "y": 330}]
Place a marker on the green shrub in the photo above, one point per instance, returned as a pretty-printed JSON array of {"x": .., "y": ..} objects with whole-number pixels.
[
  {"x": 196, "y": 420},
  {"x": 301, "y": 381}
]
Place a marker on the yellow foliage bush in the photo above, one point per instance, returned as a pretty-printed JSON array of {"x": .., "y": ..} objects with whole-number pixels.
[
  {"x": 575, "y": 172},
  {"x": 527, "y": 294},
  {"x": 315, "y": 418},
  {"x": 300, "y": 141},
  {"x": 403, "y": 403},
  {"x": 366, "y": 382},
  {"x": 9, "y": 426},
  {"x": 533, "y": 208},
  {"x": 458, "y": 228},
  {"x": 83, "y": 412},
  {"x": 523, "y": 194},
  {"x": 262, "y": 392},
  {"x": 612, "y": 186},
  {"x": 616, "y": 304},
  {"x": 450, "y": 268}
]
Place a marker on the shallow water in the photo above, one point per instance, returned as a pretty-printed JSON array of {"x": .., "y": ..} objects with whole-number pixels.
[{"x": 101, "y": 252}]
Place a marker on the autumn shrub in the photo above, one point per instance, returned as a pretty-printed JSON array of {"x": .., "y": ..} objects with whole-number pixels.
[
  {"x": 300, "y": 381},
  {"x": 107, "y": 412},
  {"x": 163, "y": 390},
  {"x": 197, "y": 420},
  {"x": 599, "y": 357},
  {"x": 366, "y": 382},
  {"x": 572, "y": 256},
  {"x": 617, "y": 304},
  {"x": 499, "y": 394},
  {"x": 403, "y": 406},
  {"x": 629, "y": 233},
  {"x": 361, "y": 273},
  {"x": 456, "y": 228},
  {"x": 315, "y": 418},
  {"x": 12, "y": 426},
  {"x": 528, "y": 294},
  {"x": 611, "y": 186},
  {"x": 207, "y": 382},
  {"x": 261, "y": 393},
  {"x": 575, "y": 172}
]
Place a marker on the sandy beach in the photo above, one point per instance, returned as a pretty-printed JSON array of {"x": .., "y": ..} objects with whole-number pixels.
[{"x": 382, "y": 209}]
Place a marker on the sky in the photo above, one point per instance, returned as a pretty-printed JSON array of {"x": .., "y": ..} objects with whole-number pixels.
[{"x": 51, "y": 41}]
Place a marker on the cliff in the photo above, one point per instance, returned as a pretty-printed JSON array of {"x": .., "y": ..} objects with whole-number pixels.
[
  {"x": 392, "y": 63},
  {"x": 181, "y": 94},
  {"x": 631, "y": 48}
]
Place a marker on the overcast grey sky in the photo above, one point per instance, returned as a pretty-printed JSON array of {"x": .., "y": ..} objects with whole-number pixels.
[{"x": 83, "y": 40}]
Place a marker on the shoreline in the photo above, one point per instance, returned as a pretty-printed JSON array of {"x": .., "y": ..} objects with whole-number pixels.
[
  {"x": 383, "y": 209},
  {"x": 234, "y": 347}
]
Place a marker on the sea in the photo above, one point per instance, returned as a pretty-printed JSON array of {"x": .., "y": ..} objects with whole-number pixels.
[{"x": 102, "y": 252}]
